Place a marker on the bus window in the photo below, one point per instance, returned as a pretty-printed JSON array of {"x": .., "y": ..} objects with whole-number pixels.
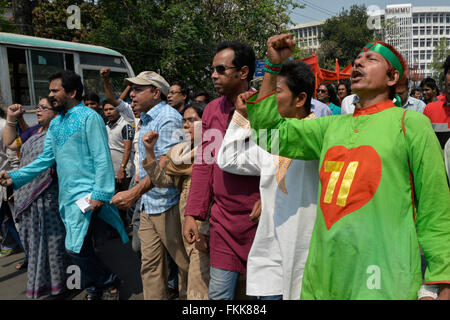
[
  {"x": 94, "y": 83},
  {"x": 68, "y": 58},
  {"x": 44, "y": 64},
  {"x": 18, "y": 75},
  {"x": 100, "y": 60}
]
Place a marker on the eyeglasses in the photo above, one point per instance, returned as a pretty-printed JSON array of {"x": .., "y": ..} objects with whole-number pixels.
[
  {"x": 321, "y": 91},
  {"x": 41, "y": 107},
  {"x": 173, "y": 92},
  {"x": 220, "y": 69}
]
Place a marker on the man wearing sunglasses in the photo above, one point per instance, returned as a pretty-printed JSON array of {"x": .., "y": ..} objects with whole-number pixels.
[{"x": 233, "y": 196}]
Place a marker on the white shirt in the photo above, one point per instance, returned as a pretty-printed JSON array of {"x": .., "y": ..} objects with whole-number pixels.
[
  {"x": 347, "y": 104},
  {"x": 288, "y": 198}
]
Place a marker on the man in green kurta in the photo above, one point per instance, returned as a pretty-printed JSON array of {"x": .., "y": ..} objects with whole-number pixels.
[{"x": 383, "y": 188}]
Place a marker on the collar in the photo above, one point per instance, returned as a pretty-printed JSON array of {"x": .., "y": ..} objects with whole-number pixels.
[
  {"x": 115, "y": 123},
  {"x": 373, "y": 109},
  {"x": 153, "y": 112}
]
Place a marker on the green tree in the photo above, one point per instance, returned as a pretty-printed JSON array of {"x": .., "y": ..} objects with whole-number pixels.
[
  {"x": 347, "y": 32},
  {"x": 178, "y": 37},
  {"x": 440, "y": 53},
  {"x": 50, "y": 19},
  {"x": 6, "y": 25}
]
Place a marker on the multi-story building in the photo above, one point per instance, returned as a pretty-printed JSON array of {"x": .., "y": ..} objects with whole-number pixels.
[{"x": 414, "y": 31}]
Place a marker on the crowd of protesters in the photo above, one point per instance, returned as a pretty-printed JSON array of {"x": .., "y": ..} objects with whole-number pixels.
[{"x": 343, "y": 197}]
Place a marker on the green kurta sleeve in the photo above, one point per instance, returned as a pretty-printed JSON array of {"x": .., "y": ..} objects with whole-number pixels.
[
  {"x": 433, "y": 197},
  {"x": 291, "y": 138}
]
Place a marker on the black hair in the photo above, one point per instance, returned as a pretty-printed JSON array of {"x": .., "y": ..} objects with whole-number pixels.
[
  {"x": 331, "y": 93},
  {"x": 70, "y": 81},
  {"x": 347, "y": 85},
  {"x": 105, "y": 102},
  {"x": 413, "y": 91},
  {"x": 203, "y": 93},
  {"x": 92, "y": 96},
  {"x": 183, "y": 88},
  {"x": 431, "y": 83},
  {"x": 446, "y": 65},
  {"x": 198, "y": 107},
  {"x": 299, "y": 78},
  {"x": 243, "y": 55}
]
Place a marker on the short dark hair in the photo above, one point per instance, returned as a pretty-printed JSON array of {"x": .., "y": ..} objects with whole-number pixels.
[
  {"x": 105, "y": 102},
  {"x": 198, "y": 107},
  {"x": 414, "y": 90},
  {"x": 203, "y": 93},
  {"x": 183, "y": 88},
  {"x": 243, "y": 55},
  {"x": 91, "y": 96},
  {"x": 429, "y": 82},
  {"x": 299, "y": 78},
  {"x": 347, "y": 85},
  {"x": 70, "y": 81}
]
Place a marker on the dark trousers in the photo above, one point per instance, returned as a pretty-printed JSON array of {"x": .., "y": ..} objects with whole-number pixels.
[
  {"x": 10, "y": 236},
  {"x": 95, "y": 275}
]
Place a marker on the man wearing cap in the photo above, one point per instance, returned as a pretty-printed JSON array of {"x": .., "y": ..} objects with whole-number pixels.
[
  {"x": 160, "y": 226},
  {"x": 383, "y": 187}
]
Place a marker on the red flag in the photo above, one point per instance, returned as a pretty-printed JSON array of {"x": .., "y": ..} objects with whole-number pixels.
[{"x": 336, "y": 70}]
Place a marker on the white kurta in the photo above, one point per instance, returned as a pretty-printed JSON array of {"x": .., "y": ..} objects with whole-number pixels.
[{"x": 288, "y": 198}]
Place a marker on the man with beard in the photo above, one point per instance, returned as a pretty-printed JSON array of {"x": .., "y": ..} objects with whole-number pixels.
[
  {"x": 78, "y": 143},
  {"x": 232, "y": 196},
  {"x": 383, "y": 186}
]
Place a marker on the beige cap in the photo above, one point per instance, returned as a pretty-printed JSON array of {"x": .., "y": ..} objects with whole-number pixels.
[{"x": 146, "y": 78}]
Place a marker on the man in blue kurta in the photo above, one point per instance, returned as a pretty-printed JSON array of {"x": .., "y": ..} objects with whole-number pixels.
[{"x": 77, "y": 141}]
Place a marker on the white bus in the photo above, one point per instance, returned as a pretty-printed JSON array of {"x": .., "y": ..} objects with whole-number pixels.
[{"x": 27, "y": 62}]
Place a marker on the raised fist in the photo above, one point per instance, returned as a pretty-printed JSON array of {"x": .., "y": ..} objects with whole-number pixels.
[
  {"x": 14, "y": 111},
  {"x": 280, "y": 47},
  {"x": 104, "y": 73},
  {"x": 149, "y": 139}
]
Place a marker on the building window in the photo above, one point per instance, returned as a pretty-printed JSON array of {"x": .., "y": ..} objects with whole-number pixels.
[
  {"x": 415, "y": 31},
  {"x": 435, "y": 42},
  {"x": 422, "y": 55},
  {"x": 422, "y": 31},
  {"x": 428, "y": 19},
  {"x": 422, "y": 43},
  {"x": 448, "y": 30},
  {"x": 435, "y": 19},
  {"x": 441, "y": 19},
  {"x": 435, "y": 30},
  {"x": 415, "y": 19},
  {"x": 428, "y": 33},
  {"x": 448, "y": 18},
  {"x": 416, "y": 43},
  {"x": 428, "y": 42},
  {"x": 428, "y": 54},
  {"x": 441, "y": 30},
  {"x": 422, "y": 19}
]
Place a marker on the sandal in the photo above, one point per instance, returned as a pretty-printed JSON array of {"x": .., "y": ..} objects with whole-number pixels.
[
  {"x": 22, "y": 265},
  {"x": 112, "y": 292},
  {"x": 90, "y": 297}
]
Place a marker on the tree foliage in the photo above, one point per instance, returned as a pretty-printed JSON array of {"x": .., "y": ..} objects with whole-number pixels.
[
  {"x": 440, "y": 53},
  {"x": 174, "y": 37},
  {"x": 6, "y": 25},
  {"x": 347, "y": 32}
]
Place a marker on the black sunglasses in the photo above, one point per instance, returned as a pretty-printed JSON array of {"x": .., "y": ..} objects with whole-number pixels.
[
  {"x": 321, "y": 91},
  {"x": 220, "y": 69}
]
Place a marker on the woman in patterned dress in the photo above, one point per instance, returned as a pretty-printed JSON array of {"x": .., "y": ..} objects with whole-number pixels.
[{"x": 36, "y": 208}]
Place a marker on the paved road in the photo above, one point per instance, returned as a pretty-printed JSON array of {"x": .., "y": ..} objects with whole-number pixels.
[{"x": 118, "y": 256}]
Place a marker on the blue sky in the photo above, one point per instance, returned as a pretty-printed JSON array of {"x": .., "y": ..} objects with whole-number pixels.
[{"x": 323, "y": 9}]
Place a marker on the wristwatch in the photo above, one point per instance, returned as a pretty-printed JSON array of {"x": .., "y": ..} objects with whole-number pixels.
[{"x": 123, "y": 165}]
